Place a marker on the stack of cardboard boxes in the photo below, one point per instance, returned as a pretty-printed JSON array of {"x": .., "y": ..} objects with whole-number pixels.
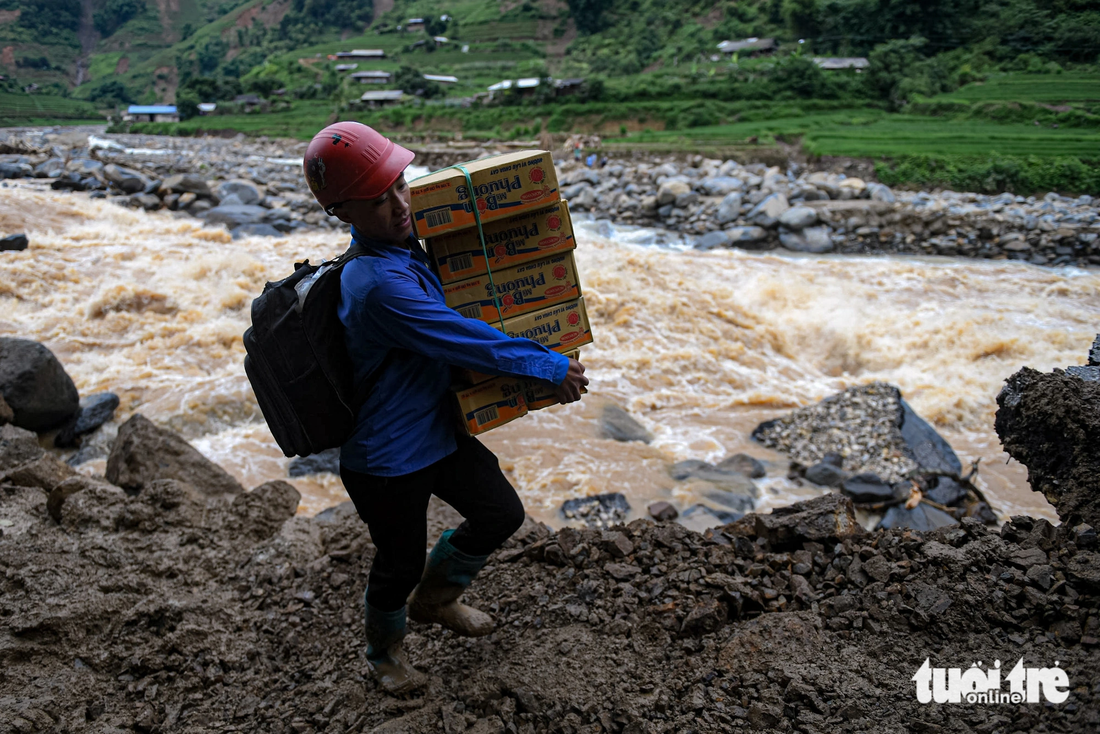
[{"x": 528, "y": 236}]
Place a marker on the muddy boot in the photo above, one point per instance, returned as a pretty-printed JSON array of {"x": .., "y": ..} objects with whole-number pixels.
[
  {"x": 388, "y": 665},
  {"x": 435, "y": 599}
]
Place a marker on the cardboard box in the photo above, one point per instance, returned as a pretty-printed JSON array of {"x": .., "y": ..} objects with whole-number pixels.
[
  {"x": 524, "y": 237},
  {"x": 522, "y": 289},
  {"x": 503, "y": 186},
  {"x": 561, "y": 328},
  {"x": 491, "y": 404},
  {"x": 539, "y": 394}
]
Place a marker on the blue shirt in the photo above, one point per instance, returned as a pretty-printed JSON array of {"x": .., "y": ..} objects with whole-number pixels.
[{"x": 391, "y": 300}]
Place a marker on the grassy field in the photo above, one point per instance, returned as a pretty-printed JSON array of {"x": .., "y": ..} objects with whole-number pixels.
[
  {"x": 35, "y": 109},
  {"x": 1066, "y": 88},
  {"x": 873, "y": 135}
]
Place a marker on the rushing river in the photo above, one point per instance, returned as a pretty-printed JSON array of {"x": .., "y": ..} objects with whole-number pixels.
[{"x": 700, "y": 346}]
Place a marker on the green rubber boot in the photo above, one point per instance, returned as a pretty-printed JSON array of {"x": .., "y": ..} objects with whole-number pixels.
[
  {"x": 385, "y": 631},
  {"x": 435, "y": 599}
]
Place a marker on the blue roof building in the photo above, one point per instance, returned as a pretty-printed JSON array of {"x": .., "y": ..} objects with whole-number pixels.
[{"x": 152, "y": 113}]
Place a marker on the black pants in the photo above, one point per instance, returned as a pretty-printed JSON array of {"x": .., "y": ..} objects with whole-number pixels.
[{"x": 395, "y": 509}]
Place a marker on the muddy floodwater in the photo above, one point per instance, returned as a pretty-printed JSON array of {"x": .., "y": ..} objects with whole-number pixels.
[{"x": 699, "y": 346}]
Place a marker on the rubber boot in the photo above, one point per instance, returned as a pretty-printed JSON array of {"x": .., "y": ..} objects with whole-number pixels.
[
  {"x": 385, "y": 631},
  {"x": 435, "y": 599}
]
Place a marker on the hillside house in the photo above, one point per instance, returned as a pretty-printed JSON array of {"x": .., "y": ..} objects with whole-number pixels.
[
  {"x": 250, "y": 103},
  {"x": 362, "y": 53},
  {"x": 749, "y": 46},
  {"x": 441, "y": 78},
  {"x": 837, "y": 63},
  {"x": 568, "y": 87},
  {"x": 414, "y": 25},
  {"x": 382, "y": 98},
  {"x": 207, "y": 108},
  {"x": 372, "y": 77},
  {"x": 347, "y": 67},
  {"x": 440, "y": 41},
  {"x": 151, "y": 113},
  {"x": 525, "y": 87}
]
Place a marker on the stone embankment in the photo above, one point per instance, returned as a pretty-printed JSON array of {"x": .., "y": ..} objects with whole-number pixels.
[{"x": 255, "y": 186}]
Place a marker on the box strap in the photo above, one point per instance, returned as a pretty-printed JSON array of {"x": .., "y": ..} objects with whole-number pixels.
[{"x": 481, "y": 236}]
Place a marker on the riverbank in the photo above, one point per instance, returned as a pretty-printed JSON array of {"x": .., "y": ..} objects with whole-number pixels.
[{"x": 255, "y": 186}]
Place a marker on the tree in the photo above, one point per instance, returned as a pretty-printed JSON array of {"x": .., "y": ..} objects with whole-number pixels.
[
  {"x": 112, "y": 93},
  {"x": 412, "y": 81},
  {"x": 891, "y": 63},
  {"x": 588, "y": 14},
  {"x": 115, "y": 14},
  {"x": 800, "y": 77}
]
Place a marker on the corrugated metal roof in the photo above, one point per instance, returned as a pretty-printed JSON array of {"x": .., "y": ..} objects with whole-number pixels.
[
  {"x": 383, "y": 96},
  {"x": 747, "y": 44},
  {"x": 442, "y": 78},
  {"x": 140, "y": 109},
  {"x": 832, "y": 63}
]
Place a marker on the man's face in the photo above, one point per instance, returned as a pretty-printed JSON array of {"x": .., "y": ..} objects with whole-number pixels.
[{"x": 388, "y": 218}]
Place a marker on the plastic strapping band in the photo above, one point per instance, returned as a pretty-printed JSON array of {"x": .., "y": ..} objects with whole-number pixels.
[{"x": 481, "y": 236}]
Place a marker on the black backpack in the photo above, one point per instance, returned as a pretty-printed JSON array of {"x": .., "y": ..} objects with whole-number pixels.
[{"x": 298, "y": 363}]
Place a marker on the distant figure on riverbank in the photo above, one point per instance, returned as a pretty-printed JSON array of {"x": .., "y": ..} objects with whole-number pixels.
[{"x": 401, "y": 335}]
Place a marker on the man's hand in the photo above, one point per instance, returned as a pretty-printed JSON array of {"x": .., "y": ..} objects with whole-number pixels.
[{"x": 569, "y": 390}]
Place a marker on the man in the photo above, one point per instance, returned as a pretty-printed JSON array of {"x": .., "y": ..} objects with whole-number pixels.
[{"x": 405, "y": 447}]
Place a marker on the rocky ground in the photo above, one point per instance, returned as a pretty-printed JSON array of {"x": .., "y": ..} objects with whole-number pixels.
[
  {"x": 162, "y": 598},
  {"x": 255, "y": 186}
]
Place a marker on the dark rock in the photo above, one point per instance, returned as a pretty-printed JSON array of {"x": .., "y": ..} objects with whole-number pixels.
[
  {"x": 705, "y": 514},
  {"x": 739, "y": 502},
  {"x": 68, "y": 182},
  {"x": 15, "y": 170},
  {"x": 828, "y": 518},
  {"x": 334, "y": 514},
  {"x": 1084, "y": 568},
  {"x": 1094, "y": 353},
  {"x": 84, "y": 166},
  {"x": 34, "y": 384},
  {"x": 247, "y": 193},
  {"x": 662, "y": 511},
  {"x": 732, "y": 482},
  {"x": 747, "y": 465},
  {"x": 95, "y": 410},
  {"x": 1092, "y": 374},
  {"x": 143, "y": 452},
  {"x": 921, "y": 517},
  {"x": 185, "y": 183},
  {"x": 601, "y": 510},
  {"x": 326, "y": 461},
  {"x": 51, "y": 168},
  {"x": 931, "y": 451},
  {"x": 868, "y": 488},
  {"x": 1084, "y": 536},
  {"x": 616, "y": 423},
  {"x": 254, "y": 230},
  {"x": 826, "y": 475},
  {"x": 708, "y": 616},
  {"x": 14, "y": 242},
  {"x": 126, "y": 179},
  {"x": 947, "y": 491},
  {"x": 235, "y": 216},
  {"x": 1051, "y": 424},
  {"x": 622, "y": 571},
  {"x": 833, "y": 458},
  {"x": 983, "y": 512},
  {"x": 148, "y": 202}
]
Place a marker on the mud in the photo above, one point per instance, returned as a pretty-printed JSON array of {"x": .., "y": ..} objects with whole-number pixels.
[
  {"x": 174, "y": 611},
  {"x": 1051, "y": 424}
]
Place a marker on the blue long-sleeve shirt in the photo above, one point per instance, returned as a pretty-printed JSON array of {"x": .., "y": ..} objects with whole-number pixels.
[{"x": 391, "y": 300}]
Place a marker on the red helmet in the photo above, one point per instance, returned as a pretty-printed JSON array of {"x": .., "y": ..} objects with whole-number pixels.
[{"x": 349, "y": 160}]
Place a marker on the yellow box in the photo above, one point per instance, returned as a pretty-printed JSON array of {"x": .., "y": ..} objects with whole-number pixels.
[
  {"x": 503, "y": 186},
  {"x": 522, "y": 289},
  {"x": 491, "y": 404},
  {"x": 524, "y": 237},
  {"x": 561, "y": 328}
]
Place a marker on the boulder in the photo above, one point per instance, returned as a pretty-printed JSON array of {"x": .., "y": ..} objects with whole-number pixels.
[
  {"x": 1051, "y": 424},
  {"x": 255, "y": 230},
  {"x": 699, "y": 517},
  {"x": 729, "y": 209},
  {"x": 713, "y": 240},
  {"x": 327, "y": 461},
  {"x": 51, "y": 168},
  {"x": 932, "y": 453},
  {"x": 246, "y": 192},
  {"x": 662, "y": 511},
  {"x": 126, "y": 179},
  {"x": 85, "y": 167},
  {"x": 14, "y": 243},
  {"x": 618, "y": 424},
  {"x": 748, "y": 465},
  {"x": 143, "y": 452},
  {"x": 721, "y": 185},
  {"x": 34, "y": 384},
  {"x": 740, "y": 488},
  {"x": 686, "y": 199},
  {"x": 798, "y": 217},
  {"x": 868, "y": 488},
  {"x": 825, "y": 474},
  {"x": 95, "y": 410},
  {"x": 748, "y": 238},
  {"x": 881, "y": 192},
  {"x": 669, "y": 190},
  {"x": 921, "y": 517},
  {"x": 148, "y": 202},
  {"x": 572, "y": 192},
  {"x": 185, "y": 183},
  {"x": 15, "y": 170},
  {"x": 18, "y": 446},
  {"x": 947, "y": 491},
  {"x": 262, "y": 512},
  {"x": 815, "y": 240},
  {"x": 586, "y": 199},
  {"x": 830, "y": 518},
  {"x": 768, "y": 211},
  {"x": 235, "y": 216}
]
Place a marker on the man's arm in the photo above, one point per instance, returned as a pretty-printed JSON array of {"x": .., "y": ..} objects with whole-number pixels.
[{"x": 401, "y": 315}]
